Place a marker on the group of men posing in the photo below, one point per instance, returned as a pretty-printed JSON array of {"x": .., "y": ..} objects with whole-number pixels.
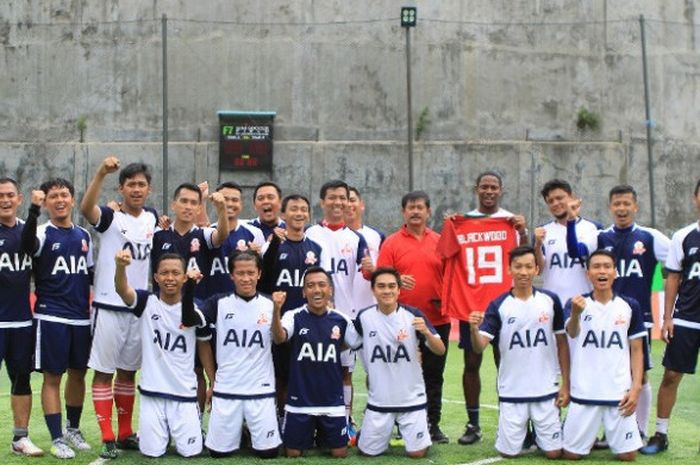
[{"x": 262, "y": 319}]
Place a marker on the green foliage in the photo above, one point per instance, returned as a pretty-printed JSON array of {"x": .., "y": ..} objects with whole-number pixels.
[
  {"x": 587, "y": 120},
  {"x": 423, "y": 122},
  {"x": 81, "y": 124}
]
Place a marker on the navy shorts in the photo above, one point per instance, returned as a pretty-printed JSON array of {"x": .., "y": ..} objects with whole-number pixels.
[
  {"x": 681, "y": 353},
  {"x": 60, "y": 346},
  {"x": 301, "y": 429},
  {"x": 646, "y": 345},
  {"x": 17, "y": 349}
]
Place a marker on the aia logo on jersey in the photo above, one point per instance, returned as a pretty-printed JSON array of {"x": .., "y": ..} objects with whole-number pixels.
[
  {"x": 346, "y": 250},
  {"x": 335, "y": 332},
  {"x": 638, "y": 248},
  {"x": 83, "y": 245},
  {"x": 194, "y": 245},
  {"x": 241, "y": 245},
  {"x": 310, "y": 258},
  {"x": 402, "y": 336},
  {"x": 620, "y": 320},
  {"x": 262, "y": 319},
  {"x": 544, "y": 317}
]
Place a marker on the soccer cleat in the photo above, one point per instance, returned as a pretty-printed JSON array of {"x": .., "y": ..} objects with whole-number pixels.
[
  {"x": 130, "y": 442},
  {"x": 437, "y": 436},
  {"x": 75, "y": 438},
  {"x": 601, "y": 443},
  {"x": 397, "y": 440},
  {"x": 657, "y": 443},
  {"x": 61, "y": 450},
  {"x": 352, "y": 434},
  {"x": 530, "y": 443},
  {"x": 109, "y": 450},
  {"x": 25, "y": 446},
  {"x": 471, "y": 435}
]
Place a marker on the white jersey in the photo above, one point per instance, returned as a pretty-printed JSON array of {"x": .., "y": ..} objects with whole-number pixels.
[
  {"x": 243, "y": 345},
  {"x": 562, "y": 274},
  {"x": 362, "y": 289},
  {"x": 390, "y": 354},
  {"x": 344, "y": 248},
  {"x": 600, "y": 361},
  {"x": 120, "y": 231},
  {"x": 525, "y": 332},
  {"x": 168, "y": 349}
]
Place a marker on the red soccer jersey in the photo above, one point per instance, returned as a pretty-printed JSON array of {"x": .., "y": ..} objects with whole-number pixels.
[{"x": 475, "y": 251}]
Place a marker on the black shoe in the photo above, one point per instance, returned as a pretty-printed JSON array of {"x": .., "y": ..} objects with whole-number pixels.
[
  {"x": 130, "y": 442},
  {"x": 530, "y": 443},
  {"x": 657, "y": 443},
  {"x": 471, "y": 435},
  {"x": 437, "y": 436},
  {"x": 601, "y": 443}
]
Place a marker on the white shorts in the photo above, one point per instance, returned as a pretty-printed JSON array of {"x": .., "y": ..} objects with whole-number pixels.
[
  {"x": 160, "y": 419},
  {"x": 582, "y": 423},
  {"x": 512, "y": 426},
  {"x": 377, "y": 426},
  {"x": 116, "y": 341},
  {"x": 347, "y": 359},
  {"x": 226, "y": 424}
]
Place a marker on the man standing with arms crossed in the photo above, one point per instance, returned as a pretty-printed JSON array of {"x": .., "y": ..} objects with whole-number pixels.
[
  {"x": 412, "y": 251},
  {"x": 114, "y": 350}
]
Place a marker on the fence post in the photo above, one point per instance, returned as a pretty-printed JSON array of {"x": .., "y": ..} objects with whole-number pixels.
[{"x": 647, "y": 110}]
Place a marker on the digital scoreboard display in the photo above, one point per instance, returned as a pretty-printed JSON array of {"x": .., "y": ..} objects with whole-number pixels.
[{"x": 245, "y": 140}]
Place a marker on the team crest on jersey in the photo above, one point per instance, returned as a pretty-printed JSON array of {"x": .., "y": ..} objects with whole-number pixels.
[
  {"x": 620, "y": 320},
  {"x": 402, "y": 336},
  {"x": 335, "y": 332},
  {"x": 638, "y": 248},
  {"x": 241, "y": 245},
  {"x": 543, "y": 317},
  {"x": 194, "y": 245},
  {"x": 262, "y": 319},
  {"x": 310, "y": 258},
  {"x": 84, "y": 245},
  {"x": 346, "y": 250}
]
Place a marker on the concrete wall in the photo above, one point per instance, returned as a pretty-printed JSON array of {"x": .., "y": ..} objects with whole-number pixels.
[{"x": 501, "y": 81}]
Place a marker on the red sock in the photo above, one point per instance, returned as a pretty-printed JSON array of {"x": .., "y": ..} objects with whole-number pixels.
[
  {"x": 102, "y": 400},
  {"x": 124, "y": 394}
]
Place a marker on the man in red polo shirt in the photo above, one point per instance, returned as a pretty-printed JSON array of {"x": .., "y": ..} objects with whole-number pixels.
[{"x": 412, "y": 251}]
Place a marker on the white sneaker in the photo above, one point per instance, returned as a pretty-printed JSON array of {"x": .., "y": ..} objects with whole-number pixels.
[
  {"x": 25, "y": 446},
  {"x": 76, "y": 440},
  {"x": 61, "y": 450}
]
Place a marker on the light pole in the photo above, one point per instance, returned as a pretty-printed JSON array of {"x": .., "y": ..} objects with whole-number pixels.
[{"x": 409, "y": 16}]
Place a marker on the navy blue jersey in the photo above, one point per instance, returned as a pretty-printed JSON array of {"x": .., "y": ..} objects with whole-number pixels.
[
  {"x": 15, "y": 275},
  {"x": 284, "y": 266},
  {"x": 684, "y": 258},
  {"x": 316, "y": 375},
  {"x": 264, "y": 228},
  {"x": 195, "y": 247},
  {"x": 637, "y": 250},
  {"x": 63, "y": 268},
  {"x": 219, "y": 279}
]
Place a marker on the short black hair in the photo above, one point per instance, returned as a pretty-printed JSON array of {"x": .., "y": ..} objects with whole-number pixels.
[
  {"x": 134, "y": 169},
  {"x": 519, "y": 252},
  {"x": 243, "y": 256},
  {"x": 8, "y": 180},
  {"x": 171, "y": 256},
  {"x": 697, "y": 187},
  {"x": 354, "y": 189},
  {"x": 621, "y": 190},
  {"x": 606, "y": 253},
  {"x": 553, "y": 184},
  {"x": 190, "y": 187},
  {"x": 385, "y": 270},
  {"x": 334, "y": 184},
  {"x": 286, "y": 200},
  {"x": 483, "y": 174},
  {"x": 228, "y": 185},
  {"x": 317, "y": 269},
  {"x": 415, "y": 196},
  {"x": 265, "y": 184},
  {"x": 57, "y": 183}
]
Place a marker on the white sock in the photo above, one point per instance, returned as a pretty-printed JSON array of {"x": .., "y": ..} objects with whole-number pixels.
[
  {"x": 347, "y": 397},
  {"x": 662, "y": 425},
  {"x": 644, "y": 408}
]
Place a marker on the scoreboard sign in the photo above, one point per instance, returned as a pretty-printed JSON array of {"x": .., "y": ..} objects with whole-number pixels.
[{"x": 245, "y": 140}]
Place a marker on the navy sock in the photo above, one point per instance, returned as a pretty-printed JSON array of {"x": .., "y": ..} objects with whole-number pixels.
[
  {"x": 53, "y": 421},
  {"x": 73, "y": 415},
  {"x": 473, "y": 414}
]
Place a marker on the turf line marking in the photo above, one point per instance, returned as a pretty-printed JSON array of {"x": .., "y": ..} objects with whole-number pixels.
[
  {"x": 99, "y": 461},
  {"x": 484, "y": 461},
  {"x": 445, "y": 401}
]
